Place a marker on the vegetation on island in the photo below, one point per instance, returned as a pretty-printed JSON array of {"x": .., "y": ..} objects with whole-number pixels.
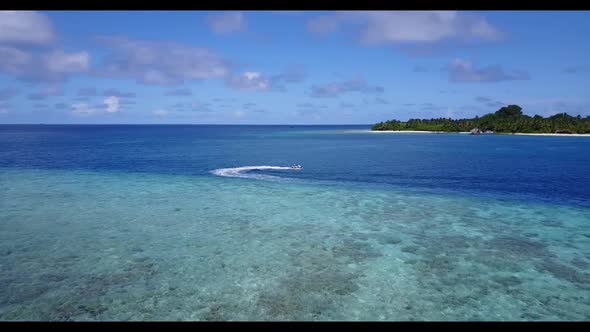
[{"x": 508, "y": 119}]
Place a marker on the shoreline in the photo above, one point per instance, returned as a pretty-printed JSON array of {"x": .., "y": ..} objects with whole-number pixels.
[
  {"x": 466, "y": 132},
  {"x": 417, "y": 132},
  {"x": 550, "y": 134}
]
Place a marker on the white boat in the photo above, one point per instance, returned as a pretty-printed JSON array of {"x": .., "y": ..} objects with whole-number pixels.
[{"x": 296, "y": 166}]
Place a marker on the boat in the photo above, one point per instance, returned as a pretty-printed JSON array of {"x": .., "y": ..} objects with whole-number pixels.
[{"x": 296, "y": 166}]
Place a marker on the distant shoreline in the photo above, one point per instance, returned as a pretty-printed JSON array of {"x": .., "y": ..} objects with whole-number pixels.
[
  {"x": 417, "y": 132},
  {"x": 549, "y": 134},
  {"x": 466, "y": 132},
  {"x": 508, "y": 120}
]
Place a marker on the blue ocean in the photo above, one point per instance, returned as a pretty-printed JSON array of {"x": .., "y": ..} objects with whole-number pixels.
[{"x": 199, "y": 222}]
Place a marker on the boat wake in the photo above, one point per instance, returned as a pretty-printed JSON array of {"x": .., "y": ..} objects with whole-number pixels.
[{"x": 242, "y": 172}]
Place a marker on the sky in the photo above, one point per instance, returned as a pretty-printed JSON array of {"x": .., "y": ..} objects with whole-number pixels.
[{"x": 289, "y": 67}]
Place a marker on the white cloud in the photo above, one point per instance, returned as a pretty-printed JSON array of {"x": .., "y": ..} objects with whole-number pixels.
[
  {"x": 120, "y": 94},
  {"x": 335, "y": 89},
  {"x": 292, "y": 74},
  {"x": 248, "y": 81},
  {"x": 239, "y": 114},
  {"x": 14, "y": 61},
  {"x": 256, "y": 81},
  {"x": 160, "y": 63},
  {"x": 53, "y": 66},
  {"x": 160, "y": 113},
  {"x": 83, "y": 109},
  {"x": 464, "y": 71},
  {"x": 48, "y": 91},
  {"x": 112, "y": 104},
  {"x": 27, "y": 27},
  {"x": 252, "y": 75},
  {"x": 19, "y": 30},
  {"x": 323, "y": 24},
  {"x": 226, "y": 22},
  {"x": 383, "y": 27},
  {"x": 61, "y": 62}
]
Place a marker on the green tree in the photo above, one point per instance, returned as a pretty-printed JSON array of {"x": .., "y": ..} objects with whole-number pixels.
[{"x": 508, "y": 119}]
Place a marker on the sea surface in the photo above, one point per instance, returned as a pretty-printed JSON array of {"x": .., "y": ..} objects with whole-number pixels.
[{"x": 140, "y": 222}]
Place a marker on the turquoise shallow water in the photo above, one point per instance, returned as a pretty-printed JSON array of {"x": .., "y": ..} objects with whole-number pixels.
[{"x": 117, "y": 245}]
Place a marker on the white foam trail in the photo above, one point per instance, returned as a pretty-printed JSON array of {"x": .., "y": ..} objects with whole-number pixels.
[{"x": 241, "y": 172}]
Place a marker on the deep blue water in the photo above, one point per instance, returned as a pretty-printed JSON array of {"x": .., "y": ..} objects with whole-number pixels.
[{"x": 555, "y": 169}]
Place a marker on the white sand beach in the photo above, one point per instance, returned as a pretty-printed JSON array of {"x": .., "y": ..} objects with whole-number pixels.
[
  {"x": 549, "y": 134},
  {"x": 413, "y": 132},
  {"x": 466, "y": 132}
]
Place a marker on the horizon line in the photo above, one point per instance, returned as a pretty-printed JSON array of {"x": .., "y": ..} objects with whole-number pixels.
[{"x": 179, "y": 124}]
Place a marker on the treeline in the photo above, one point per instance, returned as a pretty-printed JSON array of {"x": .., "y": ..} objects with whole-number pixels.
[{"x": 509, "y": 119}]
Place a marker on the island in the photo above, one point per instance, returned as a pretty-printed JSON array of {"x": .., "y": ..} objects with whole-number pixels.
[{"x": 508, "y": 119}]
